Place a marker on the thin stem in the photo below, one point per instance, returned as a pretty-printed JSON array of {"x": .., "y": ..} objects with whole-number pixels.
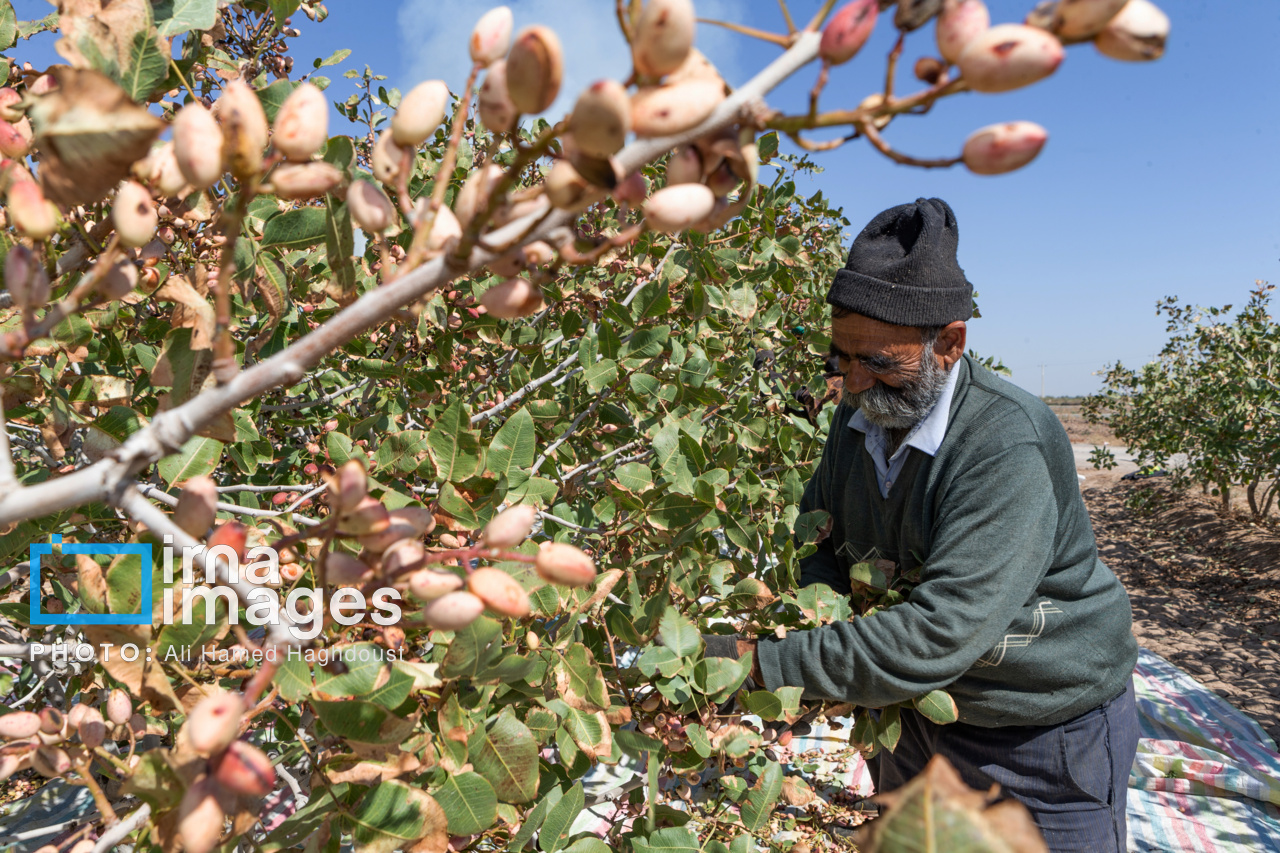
[
  {"x": 763, "y": 35},
  {"x": 224, "y": 348},
  {"x": 821, "y": 16},
  {"x": 892, "y": 69},
  {"x": 624, "y": 20},
  {"x": 443, "y": 174},
  {"x": 99, "y": 796},
  {"x": 7, "y": 476},
  {"x": 873, "y": 136},
  {"x": 786, "y": 16}
]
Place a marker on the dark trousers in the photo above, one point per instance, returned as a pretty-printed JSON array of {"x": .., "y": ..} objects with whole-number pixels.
[{"x": 1073, "y": 777}]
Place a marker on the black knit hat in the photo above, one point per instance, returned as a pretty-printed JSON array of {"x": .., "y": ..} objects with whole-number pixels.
[{"x": 902, "y": 268}]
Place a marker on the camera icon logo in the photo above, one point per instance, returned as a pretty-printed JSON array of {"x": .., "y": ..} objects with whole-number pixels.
[{"x": 143, "y": 617}]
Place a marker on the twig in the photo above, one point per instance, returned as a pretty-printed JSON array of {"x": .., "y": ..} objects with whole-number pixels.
[
  {"x": 892, "y": 69},
  {"x": 786, "y": 16},
  {"x": 443, "y": 174},
  {"x": 873, "y": 136},
  {"x": 821, "y": 16},
  {"x": 121, "y": 830},
  {"x": 569, "y": 524},
  {"x": 306, "y": 404},
  {"x": 524, "y": 390},
  {"x": 165, "y": 498},
  {"x": 99, "y": 796},
  {"x": 7, "y": 475},
  {"x": 763, "y": 35},
  {"x": 564, "y": 436}
]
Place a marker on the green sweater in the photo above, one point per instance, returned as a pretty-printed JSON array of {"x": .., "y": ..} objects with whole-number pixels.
[{"x": 1015, "y": 615}]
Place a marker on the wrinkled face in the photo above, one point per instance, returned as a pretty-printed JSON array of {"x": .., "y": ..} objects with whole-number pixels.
[{"x": 888, "y": 371}]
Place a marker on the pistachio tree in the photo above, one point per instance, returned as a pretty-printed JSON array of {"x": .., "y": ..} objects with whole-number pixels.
[
  {"x": 520, "y": 407},
  {"x": 1211, "y": 397}
]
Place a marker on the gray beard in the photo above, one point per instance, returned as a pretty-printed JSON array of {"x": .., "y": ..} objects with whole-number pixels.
[{"x": 905, "y": 406}]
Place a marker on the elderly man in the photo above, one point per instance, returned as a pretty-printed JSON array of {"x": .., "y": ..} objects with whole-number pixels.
[{"x": 932, "y": 461}]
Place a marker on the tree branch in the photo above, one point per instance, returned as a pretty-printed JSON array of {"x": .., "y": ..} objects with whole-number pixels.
[{"x": 121, "y": 830}]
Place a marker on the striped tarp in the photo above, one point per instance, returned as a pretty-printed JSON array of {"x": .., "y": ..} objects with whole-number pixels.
[{"x": 1206, "y": 778}]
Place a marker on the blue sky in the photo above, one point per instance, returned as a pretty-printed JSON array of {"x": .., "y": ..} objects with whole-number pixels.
[{"x": 1158, "y": 178}]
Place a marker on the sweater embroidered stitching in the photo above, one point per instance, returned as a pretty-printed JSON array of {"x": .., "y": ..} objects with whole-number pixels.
[{"x": 1039, "y": 618}]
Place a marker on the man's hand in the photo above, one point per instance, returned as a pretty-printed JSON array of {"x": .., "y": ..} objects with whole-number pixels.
[{"x": 749, "y": 647}]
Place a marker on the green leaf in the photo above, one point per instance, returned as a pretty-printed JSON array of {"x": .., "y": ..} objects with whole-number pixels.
[
  {"x": 635, "y": 477},
  {"x": 296, "y": 229},
  {"x": 506, "y": 753},
  {"x": 762, "y": 797},
  {"x": 153, "y": 781},
  {"x": 938, "y": 706},
  {"x": 767, "y": 145},
  {"x": 8, "y": 25},
  {"x": 119, "y": 422},
  {"x": 294, "y": 679},
  {"x": 671, "y": 458},
  {"x": 47, "y": 24},
  {"x": 468, "y": 802},
  {"x": 512, "y": 449},
  {"x": 198, "y": 458},
  {"x": 534, "y": 820},
  {"x": 719, "y": 676},
  {"x": 556, "y": 827},
  {"x": 363, "y": 722},
  {"x": 340, "y": 246},
  {"x": 474, "y": 649},
  {"x": 393, "y": 815},
  {"x": 811, "y": 526},
  {"x": 174, "y": 17},
  {"x": 635, "y": 744},
  {"x": 764, "y": 704},
  {"x": 601, "y": 375},
  {"x": 888, "y": 729},
  {"x": 678, "y": 633},
  {"x": 364, "y": 666},
  {"x": 742, "y": 302},
  {"x": 669, "y": 840},
  {"x": 147, "y": 67},
  {"x": 454, "y": 447},
  {"x": 867, "y": 573},
  {"x": 579, "y": 680},
  {"x": 334, "y": 58},
  {"x": 341, "y": 152},
  {"x": 403, "y": 452},
  {"x": 588, "y": 845},
  {"x": 282, "y": 10}
]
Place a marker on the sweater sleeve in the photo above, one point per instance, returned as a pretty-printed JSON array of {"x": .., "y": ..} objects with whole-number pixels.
[
  {"x": 822, "y": 566},
  {"x": 993, "y": 543}
]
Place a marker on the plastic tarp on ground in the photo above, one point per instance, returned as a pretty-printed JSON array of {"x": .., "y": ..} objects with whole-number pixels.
[{"x": 1207, "y": 777}]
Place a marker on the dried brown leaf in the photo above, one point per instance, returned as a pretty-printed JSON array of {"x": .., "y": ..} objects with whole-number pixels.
[
  {"x": 146, "y": 681},
  {"x": 89, "y": 133}
]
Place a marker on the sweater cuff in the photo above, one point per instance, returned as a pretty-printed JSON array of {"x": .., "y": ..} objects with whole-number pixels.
[{"x": 769, "y": 654}]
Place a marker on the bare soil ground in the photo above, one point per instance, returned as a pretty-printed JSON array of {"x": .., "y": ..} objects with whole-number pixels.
[
  {"x": 1078, "y": 430},
  {"x": 1205, "y": 587}
]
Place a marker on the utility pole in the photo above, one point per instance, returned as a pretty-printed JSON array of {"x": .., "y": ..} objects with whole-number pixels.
[{"x": 1042, "y": 367}]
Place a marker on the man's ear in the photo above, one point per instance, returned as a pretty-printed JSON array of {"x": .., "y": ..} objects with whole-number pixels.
[{"x": 950, "y": 345}]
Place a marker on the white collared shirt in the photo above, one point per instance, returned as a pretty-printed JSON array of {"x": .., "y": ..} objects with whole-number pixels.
[{"x": 925, "y": 436}]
